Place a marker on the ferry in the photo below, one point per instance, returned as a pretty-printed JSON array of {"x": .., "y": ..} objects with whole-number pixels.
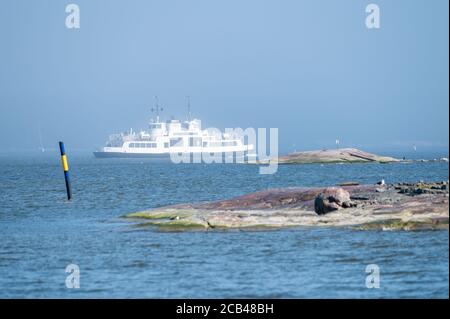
[{"x": 165, "y": 137}]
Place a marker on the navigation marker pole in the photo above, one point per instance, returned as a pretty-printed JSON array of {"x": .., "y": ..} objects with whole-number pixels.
[{"x": 65, "y": 166}]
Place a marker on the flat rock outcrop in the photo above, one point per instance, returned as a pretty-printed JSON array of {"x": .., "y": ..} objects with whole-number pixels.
[
  {"x": 405, "y": 206},
  {"x": 344, "y": 155}
]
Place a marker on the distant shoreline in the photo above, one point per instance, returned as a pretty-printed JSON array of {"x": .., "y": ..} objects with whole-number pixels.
[{"x": 344, "y": 155}]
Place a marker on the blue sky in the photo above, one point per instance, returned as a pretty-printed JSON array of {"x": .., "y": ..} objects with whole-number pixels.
[{"x": 310, "y": 68}]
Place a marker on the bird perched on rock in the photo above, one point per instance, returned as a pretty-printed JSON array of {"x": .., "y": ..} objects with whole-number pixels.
[{"x": 381, "y": 182}]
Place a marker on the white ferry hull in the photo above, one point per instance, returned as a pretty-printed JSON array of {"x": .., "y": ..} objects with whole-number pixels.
[{"x": 102, "y": 154}]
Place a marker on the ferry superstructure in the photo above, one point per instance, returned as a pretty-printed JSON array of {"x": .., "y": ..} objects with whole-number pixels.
[{"x": 164, "y": 137}]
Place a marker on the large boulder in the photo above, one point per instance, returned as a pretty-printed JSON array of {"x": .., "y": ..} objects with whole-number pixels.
[{"x": 332, "y": 199}]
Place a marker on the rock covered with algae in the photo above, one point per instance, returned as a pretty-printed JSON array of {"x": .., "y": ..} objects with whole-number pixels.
[{"x": 404, "y": 206}]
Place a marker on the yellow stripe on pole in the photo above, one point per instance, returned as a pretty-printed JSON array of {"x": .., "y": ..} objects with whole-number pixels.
[{"x": 64, "y": 163}]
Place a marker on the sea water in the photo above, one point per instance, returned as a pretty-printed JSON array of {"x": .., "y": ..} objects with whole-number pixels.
[{"x": 41, "y": 233}]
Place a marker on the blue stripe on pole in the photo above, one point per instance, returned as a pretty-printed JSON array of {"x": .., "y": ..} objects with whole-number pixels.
[
  {"x": 62, "y": 148},
  {"x": 68, "y": 189}
]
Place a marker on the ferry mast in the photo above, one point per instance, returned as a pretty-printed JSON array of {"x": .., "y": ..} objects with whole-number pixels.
[{"x": 156, "y": 108}]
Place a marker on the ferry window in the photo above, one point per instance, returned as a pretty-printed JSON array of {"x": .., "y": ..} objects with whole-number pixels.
[
  {"x": 205, "y": 144},
  {"x": 195, "y": 141},
  {"x": 166, "y": 145},
  {"x": 184, "y": 133},
  {"x": 176, "y": 142},
  {"x": 215, "y": 144}
]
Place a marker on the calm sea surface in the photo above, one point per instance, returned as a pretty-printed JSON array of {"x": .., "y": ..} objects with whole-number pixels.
[{"x": 41, "y": 233}]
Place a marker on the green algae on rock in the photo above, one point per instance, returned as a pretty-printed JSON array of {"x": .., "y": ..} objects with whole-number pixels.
[{"x": 404, "y": 206}]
